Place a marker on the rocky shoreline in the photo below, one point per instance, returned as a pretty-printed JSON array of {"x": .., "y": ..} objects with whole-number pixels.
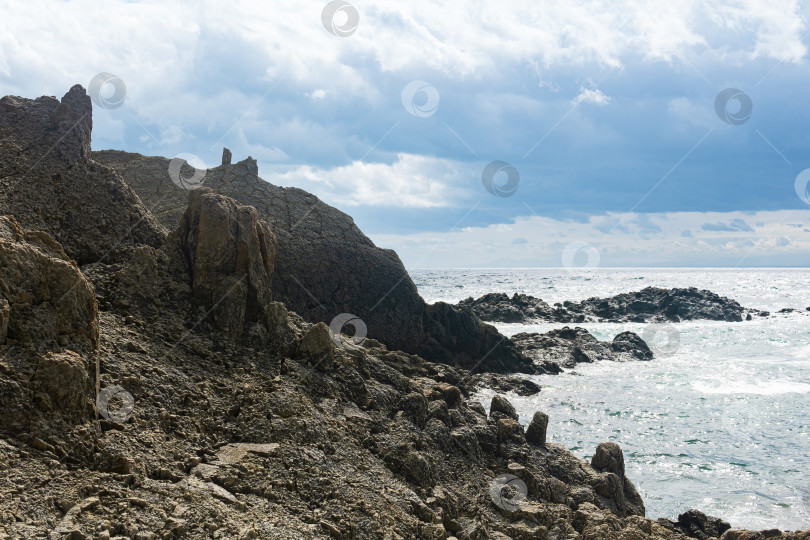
[{"x": 168, "y": 369}]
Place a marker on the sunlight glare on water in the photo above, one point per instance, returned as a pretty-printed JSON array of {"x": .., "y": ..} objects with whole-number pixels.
[{"x": 721, "y": 425}]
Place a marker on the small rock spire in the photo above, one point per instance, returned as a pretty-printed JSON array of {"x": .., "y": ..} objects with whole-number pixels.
[{"x": 226, "y": 156}]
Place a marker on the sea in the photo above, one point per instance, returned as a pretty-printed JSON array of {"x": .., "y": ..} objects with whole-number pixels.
[{"x": 719, "y": 421}]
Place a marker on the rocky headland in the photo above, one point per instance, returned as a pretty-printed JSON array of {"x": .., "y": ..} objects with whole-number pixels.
[{"x": 167, "y": 370}]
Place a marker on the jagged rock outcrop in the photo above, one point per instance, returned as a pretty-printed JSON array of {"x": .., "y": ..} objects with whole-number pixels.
[
  {"x": 617, "y": 490},
  {"x": 47, "y": 302},
  {"x": 48, "y": 181},
  {"x": 566, "y": 347},
  {"x": 228, "y": 253},
  {"x": 649, "y": 304},
  {"x": 326, "y": 266},
  {"x": 49, "y": 334}
]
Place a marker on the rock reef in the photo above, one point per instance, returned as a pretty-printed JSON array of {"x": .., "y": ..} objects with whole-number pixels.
[{"x": 652, "y": 304}]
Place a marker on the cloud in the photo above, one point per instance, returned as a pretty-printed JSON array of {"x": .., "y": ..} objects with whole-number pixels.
[
  {"x": 636, "y": 244},
  {"x": 412, "y": 181},
  {"x": 591, "y": 96},
  {"x": 735, "y": 225}
]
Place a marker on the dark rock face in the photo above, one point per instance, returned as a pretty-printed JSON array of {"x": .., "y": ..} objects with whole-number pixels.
[
  {"x": 696, "y": 524},
  {"x": 567, "y": 347},
  {"x": 229, "y": 255},
  {"x": 48, "y": 181},
  {"x": 650, "y": 304},
  {"x": 326, "y": 266}
]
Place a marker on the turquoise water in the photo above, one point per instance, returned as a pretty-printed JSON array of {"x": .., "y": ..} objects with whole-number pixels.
[{"x": 719, "y": 421}]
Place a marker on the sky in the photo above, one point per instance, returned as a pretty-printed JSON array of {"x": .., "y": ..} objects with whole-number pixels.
[{"x": 564, "y": 133}]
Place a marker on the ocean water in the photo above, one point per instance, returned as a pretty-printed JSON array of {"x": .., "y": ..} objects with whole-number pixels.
[{"x": 719, "y": 421}]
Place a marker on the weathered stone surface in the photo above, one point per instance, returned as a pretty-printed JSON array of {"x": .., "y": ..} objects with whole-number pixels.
[
  {"x": 63, "y": 385},
  {"x": 229, "y": 255},
  {"x": 536, "y": 432},
  {"x": 317, "y": 346},
  {"x": 51, "y": 304},
  {"x": 5, "y": 315},
  {"x": 48, "y": 181}
]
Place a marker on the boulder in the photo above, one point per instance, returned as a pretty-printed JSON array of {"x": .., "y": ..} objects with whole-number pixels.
[
  {"x": 317, "y": 347},
  {"x": 501, "y": 408},
  {"x": 696, "y": 524},
  {"x": 632, "y": 344},
  {"x": 609, "y": 458},
  {"x": 229, "y": 254},
  {"x": 536, "y": 432}
]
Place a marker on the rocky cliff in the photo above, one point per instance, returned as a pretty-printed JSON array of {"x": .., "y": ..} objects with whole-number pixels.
[
  {"x": 326, "y": 266},
  {"x": 159, "y": 394}
]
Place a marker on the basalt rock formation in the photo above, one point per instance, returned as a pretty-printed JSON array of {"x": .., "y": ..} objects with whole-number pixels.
[
  {"x": 567, "y": 347},
  {"x": 651, "y": 304},
  {"x": 267, "y": 427},
  {"x": 326, "y": 266}
]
